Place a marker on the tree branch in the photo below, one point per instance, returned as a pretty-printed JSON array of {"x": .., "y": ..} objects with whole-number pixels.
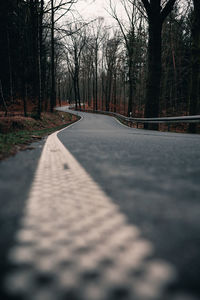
[
  {"x": 147, "y": 6},
  {"x": 167, "y": 9}
]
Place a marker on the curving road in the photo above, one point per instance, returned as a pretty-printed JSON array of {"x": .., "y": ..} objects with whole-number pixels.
[
  {"x": 155, "y": 179},
  {"x": 124, "y": 195}
]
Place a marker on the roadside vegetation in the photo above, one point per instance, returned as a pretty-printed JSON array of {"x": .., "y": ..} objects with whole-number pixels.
[{"x": 18, "y": 132}]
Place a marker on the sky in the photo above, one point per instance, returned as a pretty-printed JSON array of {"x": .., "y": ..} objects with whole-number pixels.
[{"x": 91, "y": 8}]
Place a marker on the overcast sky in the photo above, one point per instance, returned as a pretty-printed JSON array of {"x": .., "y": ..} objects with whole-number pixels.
[
  {"x": 94, "y": 8},
  {"x": 91, "y": 8}
]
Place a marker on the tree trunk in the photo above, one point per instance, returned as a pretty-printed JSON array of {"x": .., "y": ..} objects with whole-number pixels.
[
  {"x": 39, "y": 58},
  {"x": 75, "y": 92},
  {"x": 195, "y": 78},
  {"x": 3, "y": 100},
  {"x": 93, "y": 88},
  {"x": 154, "y": 70},
  {"x": 10, "y": 67},
  {"x": 25, "y": 98},
  {"x": 156, "y": 16},
  {"x": 102, "y": 89},
  {"x": 78, "y": 91},
  {"x": 124, "y": 93},
  {"x": 131, "y": 84},
  {"x": 96, "y": 78},
  {"x": 88, "y": 88},
  {"x": 108, "y": 90},
  {"x": 59, "y": 92},
  {"x": 115, "y": 91},
  {"x": 53, "y": 90},
  {"x": 34, "y": 47}
]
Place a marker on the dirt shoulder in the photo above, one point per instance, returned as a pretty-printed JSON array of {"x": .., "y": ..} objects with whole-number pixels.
[{"x": 18, "y": 132}]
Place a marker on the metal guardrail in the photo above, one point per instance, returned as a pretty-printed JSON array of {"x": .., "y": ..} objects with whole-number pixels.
[
  {"x": 162, "y": 120},
  {"x": 167, "y": 120}
]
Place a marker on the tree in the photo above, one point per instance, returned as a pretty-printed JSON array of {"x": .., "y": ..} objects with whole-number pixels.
[
  {"x": 76, "y": 43},
  {"x": 195, "y": 80},
  {"x": 40, "y": 56},
  {"x": 156, "y": 14},
  {"x": 53, "y": 89},
  {"x": 55, "y": 8},
  {"x": 111, "y": 50},
  {"x": 97, "y": 38},
  {"x": 129, "y": 33},
  {"x": 87, "y": 69},
  {"x": 176, "y": 56}
]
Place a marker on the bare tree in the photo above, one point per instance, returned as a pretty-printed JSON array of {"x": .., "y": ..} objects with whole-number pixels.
[
  {"x": 111, "y": 49},
  {"x": 97, "y": 38},
  {"x": 87, "y": 69},
  {"x": 129, "y": 33},
  {"x": 40, "y": 14},
  {"x": 76, "y": 43},
  {"x": 61, "y": 9}
]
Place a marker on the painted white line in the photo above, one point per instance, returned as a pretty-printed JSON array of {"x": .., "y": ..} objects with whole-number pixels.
[
  {"x": 74, "y": 243},
  {"x": 115, "y": 118},
  {"x": 123, "y": 124}
]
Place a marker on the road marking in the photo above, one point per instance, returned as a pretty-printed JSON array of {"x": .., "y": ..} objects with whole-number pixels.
[
  {"x": 122, "y": 124},
  {"x": 74, "y": 243}
]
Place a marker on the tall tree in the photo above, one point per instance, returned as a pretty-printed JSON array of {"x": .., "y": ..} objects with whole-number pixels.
[
  {"x": 40, "y": 55},
  {"x": 62, "y": 8},
  {"x": 111, "y": 50},
  {"x": 157, "y": 11},
  {"x": 129, "y": 33},
  {"x": 195, "y": 82},
  {"x": 53, "y": 89},
  {"x": 75, "y": 46},
  {"x": 98, "y": 37}
]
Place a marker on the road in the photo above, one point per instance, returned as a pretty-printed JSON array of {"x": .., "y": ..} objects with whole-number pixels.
[{"x": 153, "y": 180}]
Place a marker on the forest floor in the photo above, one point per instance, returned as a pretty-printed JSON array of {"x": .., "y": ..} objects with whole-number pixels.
[{"x": 18, "y": 132}]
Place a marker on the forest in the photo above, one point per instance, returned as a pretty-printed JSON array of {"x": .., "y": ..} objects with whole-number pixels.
[{"x": 146, "y": 63}]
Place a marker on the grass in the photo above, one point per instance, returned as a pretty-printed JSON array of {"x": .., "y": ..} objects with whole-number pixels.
[{"x": 13, "y": 141}]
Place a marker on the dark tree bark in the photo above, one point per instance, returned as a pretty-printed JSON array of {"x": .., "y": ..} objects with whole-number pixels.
[
  {"x": 154, "y": 69},
  {"x": 156, "y": 16},
  {"x": 108, "y": 90},
  {"x": 40, "y": 56},
  {"x": 111, "y": 58},
  {"x": 129, "y": 39},
  {"x": 96, "y": 78},
  {"x": 34, "y": 46},
  {"x": 115, "y": 91},
  {"x": 59, "y": 91},
  {"x": 24, "y": 97},
  {"x": 3, "y": 100},
  {"x": 195, "y": 78},
  {"x": 131, "y": 77},
  {"x": 76, "y": 79},
  {"x": 75, "y": 93},
  {"x": 53, "y": 89},
  {"x": 10, "y": 67}
]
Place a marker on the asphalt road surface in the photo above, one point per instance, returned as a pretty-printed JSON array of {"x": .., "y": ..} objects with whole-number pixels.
[{"x": 153, "y": 177}]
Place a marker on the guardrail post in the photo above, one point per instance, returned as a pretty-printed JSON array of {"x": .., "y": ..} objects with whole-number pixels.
[{"x": 168, "y": 126}]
